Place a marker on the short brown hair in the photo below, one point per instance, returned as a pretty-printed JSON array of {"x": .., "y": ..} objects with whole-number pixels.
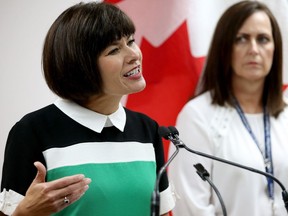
[{"x": 73, "y": 44}]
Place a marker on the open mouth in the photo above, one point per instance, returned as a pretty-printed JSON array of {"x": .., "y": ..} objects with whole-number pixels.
[{"x": 133, "y": 72}]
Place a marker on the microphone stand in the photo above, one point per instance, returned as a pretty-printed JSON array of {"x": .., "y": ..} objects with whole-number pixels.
[
  {"x": 175, "y": 139},
  {"x": 155, "y": 199},
  {"x": 203, "y": 173}
]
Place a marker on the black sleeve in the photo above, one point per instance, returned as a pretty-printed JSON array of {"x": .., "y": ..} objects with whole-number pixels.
[{"x": 21, "y": 151}]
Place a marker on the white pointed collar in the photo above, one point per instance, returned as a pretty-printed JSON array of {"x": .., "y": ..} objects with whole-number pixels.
[{"x": 90, "y": 119}]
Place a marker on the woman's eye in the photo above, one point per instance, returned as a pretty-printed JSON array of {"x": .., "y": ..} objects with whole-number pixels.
[
  {"x": 240, "y": 39},
  {"x": 263, "y": 39},
  {"x": 131, "y": 42},
  {"x": 113, "y": 51}
]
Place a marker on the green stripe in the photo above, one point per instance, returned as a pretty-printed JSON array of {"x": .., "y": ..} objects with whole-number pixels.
[{"x": 118, "y": 189}]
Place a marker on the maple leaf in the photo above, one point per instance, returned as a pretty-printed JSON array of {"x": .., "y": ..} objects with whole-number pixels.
[
  {"x": 157, "y": 20},
  {"x": 171, "y": 73}
]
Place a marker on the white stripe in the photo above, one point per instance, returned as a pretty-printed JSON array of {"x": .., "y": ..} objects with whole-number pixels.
[{"x": 104, "y": 152}]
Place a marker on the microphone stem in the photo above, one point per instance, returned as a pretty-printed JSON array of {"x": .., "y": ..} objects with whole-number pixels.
[
  {"x": 284, "y": 192},
  {"x": 155, "y": 200},
  {"x": 204, "y": 174},
  {"x": 218, "y": 195},
  {"x": 237, "y": 165}
]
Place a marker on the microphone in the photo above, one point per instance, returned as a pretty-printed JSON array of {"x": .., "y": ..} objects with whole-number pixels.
[
  {"x": 201, "y": 171},
  {"x": 155, "y": 198},
  {"x": 174, "y": 138}
]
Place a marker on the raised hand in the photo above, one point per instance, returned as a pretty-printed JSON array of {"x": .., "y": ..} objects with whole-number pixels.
[{"x": 44, "y": 198}]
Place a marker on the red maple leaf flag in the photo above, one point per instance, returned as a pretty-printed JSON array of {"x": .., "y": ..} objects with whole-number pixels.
[{"x": 174, "y": 37}]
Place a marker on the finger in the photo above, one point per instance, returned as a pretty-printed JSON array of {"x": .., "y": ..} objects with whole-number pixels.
[
  {"x": 41, "y": 172},
  {"x": 73, "y": 197},
  {"x": 77, "y": 189},
  {"x": 66, "y": 181}
]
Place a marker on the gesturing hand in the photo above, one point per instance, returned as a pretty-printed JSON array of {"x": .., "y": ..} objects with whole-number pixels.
[{"x": 44, "y": 198}]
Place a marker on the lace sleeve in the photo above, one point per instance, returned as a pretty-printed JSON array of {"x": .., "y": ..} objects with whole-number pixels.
[{"x": 9, "y": 201}]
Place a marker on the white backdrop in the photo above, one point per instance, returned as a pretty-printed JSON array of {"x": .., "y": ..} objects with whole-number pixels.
[{"x": 23, "y": 26}]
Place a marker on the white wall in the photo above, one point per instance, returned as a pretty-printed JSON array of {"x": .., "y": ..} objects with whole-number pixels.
[{"x": 23, "y": 26}]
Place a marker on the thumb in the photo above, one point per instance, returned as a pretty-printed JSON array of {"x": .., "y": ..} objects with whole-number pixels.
[{"x": 41, "y": 172}]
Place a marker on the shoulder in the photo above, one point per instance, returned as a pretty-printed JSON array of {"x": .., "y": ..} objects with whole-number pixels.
[
  {"x": 202, "y": 111},
  {"x": 41, "y": 114},
  {"x": 201, "y": 100},
  {"x": 284, "y": 113},
  {"x": 141, "y": 125},
  {"x": 38, "y": 118},
  {"x": 201, "y": 105},
  {"x": 138, "y": 117}
]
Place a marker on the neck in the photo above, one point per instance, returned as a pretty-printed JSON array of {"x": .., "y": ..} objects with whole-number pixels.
[
  {"x": 249, "y": 104},
  {"x": 249, "y": 98},
  {"x": 105, "y": 105}
]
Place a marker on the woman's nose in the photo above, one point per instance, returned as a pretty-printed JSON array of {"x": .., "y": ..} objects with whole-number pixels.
[
  {"x": 254, "y": 47},
  {"x": 133, "y": 54}
]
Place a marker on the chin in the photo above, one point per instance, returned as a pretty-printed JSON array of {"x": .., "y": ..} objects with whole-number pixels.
[{"x": 138, "y": 89}]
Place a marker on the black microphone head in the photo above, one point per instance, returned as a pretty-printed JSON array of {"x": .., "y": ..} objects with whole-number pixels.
[
  {"x": 164, "y": 132},
  {"x": 173, "y": 130}
]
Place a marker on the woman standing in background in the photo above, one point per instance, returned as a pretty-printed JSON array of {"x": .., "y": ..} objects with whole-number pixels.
[{"x": 240, "y": 115}]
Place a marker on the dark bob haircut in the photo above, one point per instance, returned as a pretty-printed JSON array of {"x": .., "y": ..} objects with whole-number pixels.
[
  {"x": 73, "y": 44},
  {"x": 217, "y": 74}
]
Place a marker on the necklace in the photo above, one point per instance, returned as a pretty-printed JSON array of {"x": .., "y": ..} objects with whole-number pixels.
[{"x": 267, "y": 155}]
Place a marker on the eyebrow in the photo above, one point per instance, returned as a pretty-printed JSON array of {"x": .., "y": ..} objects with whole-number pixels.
[
  {"x": 248, "y": 34},
  {"x": 114, "y": 43},
  {"x": 118, "y": 41}
]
